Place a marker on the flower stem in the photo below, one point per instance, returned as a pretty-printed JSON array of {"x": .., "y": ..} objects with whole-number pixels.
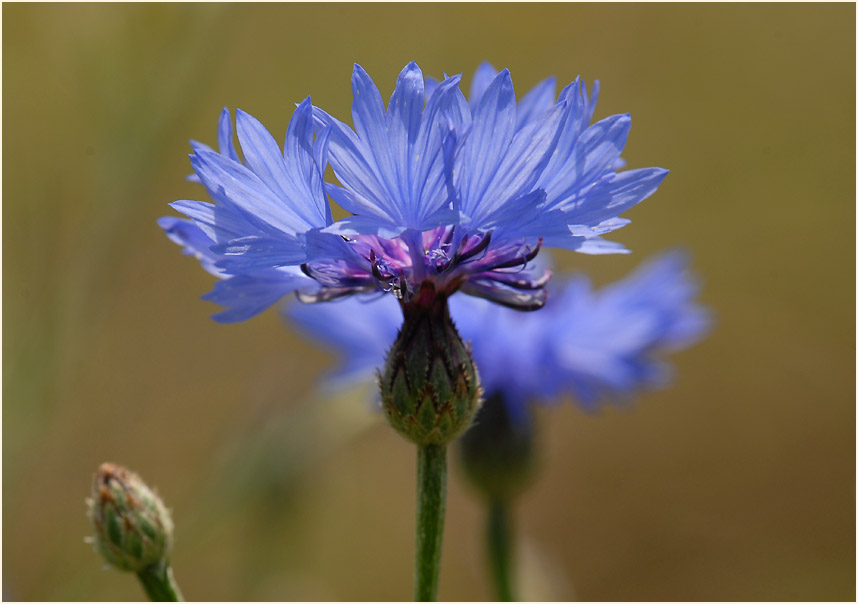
[
  {"x": 499, "y": 541},
  {"x": 431, "y": 506},
  {"x": 160, "y": 585}
]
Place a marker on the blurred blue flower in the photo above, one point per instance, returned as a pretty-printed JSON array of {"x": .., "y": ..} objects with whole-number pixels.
[
  {"x": 456, "y": 193},
  {"x": 596, "y": 345}
]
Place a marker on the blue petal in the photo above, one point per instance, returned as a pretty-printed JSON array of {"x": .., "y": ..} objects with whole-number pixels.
[
  {"x": 428, "y": 186},
  {"x": 430, "y": 85},
  {"x": 244, "y": 189},
  {"x": 194, "y": 241},
  {"x": 579, "y": 111},
  {"x": 403, "y": 125},
  {"x": 613, "y": 196},
  {"x": 248, "y": 295},
  {"x": 320, "y": 157},
  {"x": 521, "y": 216},
  {"x": 580, "y": 163},
  {"x": 488, "y": 140},
  {"x": 364, "y": 225},
  {"x": 360, "y": 206},
  {"x": 325, "y": 247},
  {"x": 392, "y": 173},
  {"x": 304, "y": 175},
  {"x": 355, "y": 168},
  {"x": 600, "y": 145},
  {"x": 370, "y": 125},
  {"x": 483, "y": 77},
  {"x": 219, "y": 222},
  {"x": 536, "y": 102},
  {"x": 521, "y": 167},
  {"x": 262, "y": 154},
  {"x": 254, "y": 252},
  {"x": 294, "y": 181},
  {"x": 224, "y": 136},
  {"x": 598, "y": 246},
  {"x": 197, "y": 145}
]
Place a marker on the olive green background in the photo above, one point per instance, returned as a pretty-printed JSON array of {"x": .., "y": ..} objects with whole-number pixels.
[{"x": 737, "y": 483}]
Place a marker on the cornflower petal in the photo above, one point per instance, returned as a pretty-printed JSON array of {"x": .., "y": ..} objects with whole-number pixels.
[
  {"x": 484, "y": 75},
  {"x": 304, "y": 163},
  {"x": 403, "y": 121},
  {"x": 594, "y": 154},
  {"x": 536, "y": 102},
  {"x": 221, "y": 222},
  {"x": 248, "y": 294},
  {"x": 370, "y": 122},
  {"x": 511, "y": 191},
  {"x": 614, "y": 194},
  {"x": 245, "y": 190},
  {"x": 352, "y": 165},
  {"x": 263, "y": 157},
  {"x": 391, "y": 167},
  {"x": 224, "y": 136},
  {"x": 193, "y": 240},
  {"x": 489, "y": 137},
  {"x": 254, "y": 236}
]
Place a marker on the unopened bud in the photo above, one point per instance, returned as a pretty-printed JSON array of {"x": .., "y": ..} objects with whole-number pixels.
[
  {"x": 497, "y": 452},
  {"x": 430, "y": 389},
  {"x": 133, "y": 529}
]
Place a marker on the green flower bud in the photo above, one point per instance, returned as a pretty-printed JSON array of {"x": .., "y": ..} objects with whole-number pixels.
[
  {"x": 497, "y": 453},
  {"x": 430, "y": 389},
  {"x": 133, "y": 529}
]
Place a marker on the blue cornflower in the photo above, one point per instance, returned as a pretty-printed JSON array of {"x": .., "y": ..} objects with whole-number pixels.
[
  {"x": 596, "y": 345},
  {"x": 445, "y": 193}
]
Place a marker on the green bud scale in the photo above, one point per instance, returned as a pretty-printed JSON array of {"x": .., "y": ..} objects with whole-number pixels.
[
  {"x": 133, "y": 529},
  {"x": 430, "y": 389}
]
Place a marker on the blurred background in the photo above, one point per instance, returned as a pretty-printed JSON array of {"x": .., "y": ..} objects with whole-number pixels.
[{"x": 736, "y": 483}]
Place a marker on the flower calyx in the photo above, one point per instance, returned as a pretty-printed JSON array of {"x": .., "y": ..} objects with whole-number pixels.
[
  {"x": 133, "y": 529},
  {"x": 430, "y": 388}
]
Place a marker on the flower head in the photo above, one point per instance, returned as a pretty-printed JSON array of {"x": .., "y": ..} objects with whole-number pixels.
[
  {"x": 594, "y": 344},
  {"x": 458, "y": 194}
]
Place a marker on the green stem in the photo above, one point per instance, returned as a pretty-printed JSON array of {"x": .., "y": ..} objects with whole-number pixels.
[
  {"x": 431, "y": 505},
  {"x": 160, "y": 585},
  {"x": 499, "y": 541}
]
